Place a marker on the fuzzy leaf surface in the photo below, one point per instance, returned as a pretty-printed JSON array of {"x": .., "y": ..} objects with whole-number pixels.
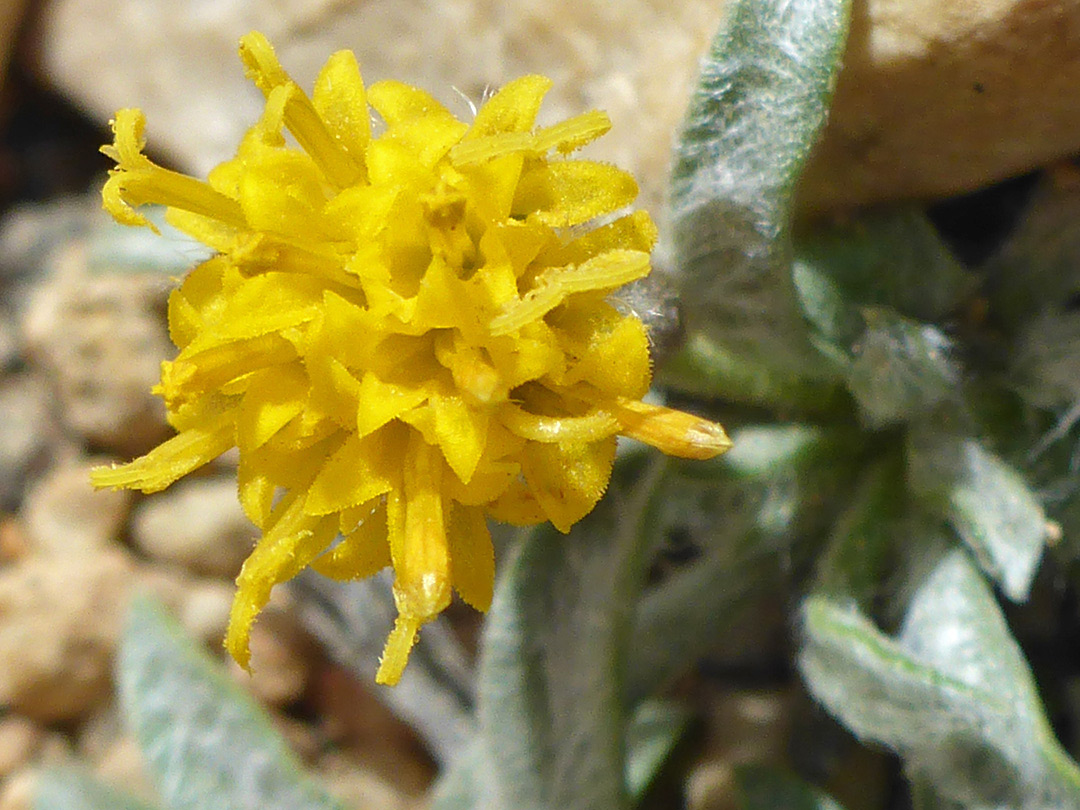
[
  {"x": 748, "y": 515},
  {"x": 893, "y": 259},
  {"x": 205, "y": 741},
  {"x": 70, "y": 788},
  {"x": 758, "y": 108},
  {"x": 551, "y": 710},
  {"x": 985, "y": 500},
  {"x": 901, "y": 368},
  {"x": 765, "y": 788},
  {"x": 952, "y": 693}
]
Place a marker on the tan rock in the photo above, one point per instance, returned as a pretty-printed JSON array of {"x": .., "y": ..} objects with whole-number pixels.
[
  {"x": 29, "y": 434},
  {"x": 20, "y": 739},
  {"x": 102, "y": 337},
  {"x": 123, "y": 764},
  {"x": 63, "y": 514},
  {"x": 204, "y": 611},
  {"x": 282, "y": 655},
  {"x": 198, "y": 524},
  {"x": 356, "y": 786},
  {"x": 17, "y": 792},
  {"x": 937, "y": 96},
  {"x": 943, "y": 96},
  {"x": 60, "y": 620}
]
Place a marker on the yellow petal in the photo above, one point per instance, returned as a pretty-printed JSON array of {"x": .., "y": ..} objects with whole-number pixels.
[
  {"x": 273, "y": 397},
  {"x": 256, "y": 491},
  {"x": 415, "y": 120},
  {"x": 489, "y": 481},
  {"x": 517, "y": 506},
  {"x": 549, "y": 429},
  {"x": 334, "y": 390},
  {"x": 419, "y": 549},
  {"x": 573, "y": 133},
  {"x": 292, "y": 542},
  {"x": 341, "y": 102},
  {"x": 673, "y": 432},
  {"x": 137, "y": 181},
  {"x": 606, "y": 271},
  {"x": 194, "y": 374},
  {"x": 635, "y": 231},
  {"x": 360, "y": 553},
  {"x": 173, "y": 459},
  {"x": 568, "y": 479},
  {"x": 378, "y": 402},
  {"x": 271, "y": 302},
  {"x": 362, "y": 469},
  {"x": 461, "y": 431},
  {"x": 571, "y": 192},
  {"x": 472, "y": 558},
  {"x": 512, "y": 109},
  {"x": 300, "y": 115},
  {"x": 612, "y": 350}
]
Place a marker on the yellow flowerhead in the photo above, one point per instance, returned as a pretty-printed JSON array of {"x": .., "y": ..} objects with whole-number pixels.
[{"x": 402, "y": 334}]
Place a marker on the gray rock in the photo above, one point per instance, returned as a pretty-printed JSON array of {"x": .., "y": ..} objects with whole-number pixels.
[{"x": 29, "y": 434}]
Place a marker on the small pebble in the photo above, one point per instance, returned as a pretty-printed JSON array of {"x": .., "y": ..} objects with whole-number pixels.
[
  {"x": 63, "y": 514},
  {"x": 197, "y": 524},
  {"x": 20, "y": 739},
  {"x": 60, "y": 621}
]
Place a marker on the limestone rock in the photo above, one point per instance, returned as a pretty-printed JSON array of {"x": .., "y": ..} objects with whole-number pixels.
[
  {"x": 102, "y": 337},
  {"x": 197, "y": 524},
  {"x": 937, "y": 96},
  {"x": 60, "y": 620},
  {"x": 635, "y": 59},
  {"x": 63, "y": 514}
]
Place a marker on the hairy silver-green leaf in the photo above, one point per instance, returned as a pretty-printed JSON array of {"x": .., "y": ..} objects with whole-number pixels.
[
  {"x": 654, "y": 730},
  {"x": 758, "y": 108},
  {"x": 70, "y": 788},
  {"x": 551, "y": 710},
  {"x": 952, "y": 693},
  {"x": 459, "y": 785},
  {"x": 206, "y": 742},
  {"x": 891, "y": 259},
  {"x": 900, "y": 369},
  {"x": 705, "y": 367},
  {"x": 749, "y": 514},
  {"x": 986, "y": 502},
  {"x": 765, "y": 788},
  {"x": 856, "y": 560},
  {"x": 1045, "y": 364},
  {"x": 435, "y": 694}
]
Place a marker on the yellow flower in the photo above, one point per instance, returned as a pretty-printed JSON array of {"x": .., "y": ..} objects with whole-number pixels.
[{"x": 402, "y": 334}]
